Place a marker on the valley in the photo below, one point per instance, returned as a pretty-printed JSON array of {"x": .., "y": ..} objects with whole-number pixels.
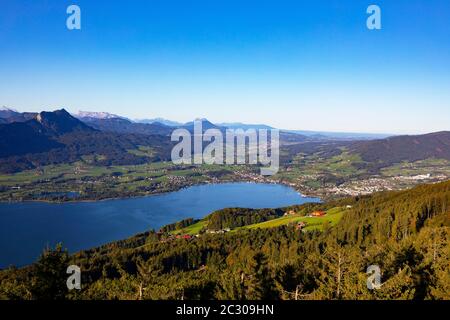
[
  {"x": 54, "y": 156},
  {"x": 311, "y": 175}
]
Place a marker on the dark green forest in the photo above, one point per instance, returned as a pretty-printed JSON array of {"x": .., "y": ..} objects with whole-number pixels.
[
  {"x": 178, "y": 225},
  {"x": 405, "y": 233},
  {"x": 236, "y": 217}
]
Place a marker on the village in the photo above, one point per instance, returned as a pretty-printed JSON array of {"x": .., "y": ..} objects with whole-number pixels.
[{"x": 376, "y": 184}]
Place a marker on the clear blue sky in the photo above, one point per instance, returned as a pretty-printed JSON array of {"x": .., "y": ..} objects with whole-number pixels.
[{"x": 291, "y": 64}]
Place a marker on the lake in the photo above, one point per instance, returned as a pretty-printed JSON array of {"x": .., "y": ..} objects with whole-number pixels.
[{"x": 28, "y": 227}]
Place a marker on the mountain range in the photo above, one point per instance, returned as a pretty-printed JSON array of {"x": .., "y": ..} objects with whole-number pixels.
[
  {"x": 111, "y": 123},
  {"x": 8, "y": 115},
  {"x": 58, "y": 137},
  {"x": 163, "y": 121},
  {"x": 97, "y": 115},
  {"x": 30, "y": 139},
  {"x": 325, "y": 135}
]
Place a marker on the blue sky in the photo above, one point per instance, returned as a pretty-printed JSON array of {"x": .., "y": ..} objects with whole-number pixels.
[{"x": 310, "y": 65}]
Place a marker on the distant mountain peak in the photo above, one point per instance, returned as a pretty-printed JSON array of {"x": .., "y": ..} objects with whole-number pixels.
[
  {"x": 163, "y": 121},
  {"x": 60, "y": 121},
  {"x": 4, "y": 108},
  {"x": 244, "y": 126},
  {"x": 205, "y": 124},
  {"x": 9, "y": 115},
  {"x": 202, "y": 120},
  {"x": 97, "y": 115}
]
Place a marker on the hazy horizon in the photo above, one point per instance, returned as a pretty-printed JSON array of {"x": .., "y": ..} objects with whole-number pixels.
[{"x": 76, "y": 112}]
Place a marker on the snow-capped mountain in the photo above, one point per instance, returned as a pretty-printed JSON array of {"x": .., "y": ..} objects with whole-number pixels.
[
  {"x": 3, "y": 108},
  {"x": 97, "y": 115}
]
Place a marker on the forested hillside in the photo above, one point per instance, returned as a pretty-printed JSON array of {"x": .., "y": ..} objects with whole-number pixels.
[
  {"x": 385, "y": 152},
  {"x": 406, "y": 234}
]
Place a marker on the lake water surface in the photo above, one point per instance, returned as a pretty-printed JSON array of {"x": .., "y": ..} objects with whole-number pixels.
[{"x": 26, "y": 228}]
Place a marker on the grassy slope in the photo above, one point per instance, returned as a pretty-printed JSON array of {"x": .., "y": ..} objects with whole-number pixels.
[
  {"x": 193, "y": 229},
  {"x": 434, "y": 166},
  {"x": 333, "y": 216}
]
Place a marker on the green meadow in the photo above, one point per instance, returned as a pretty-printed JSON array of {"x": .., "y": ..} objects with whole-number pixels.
[{"x": 332, "y": 217}]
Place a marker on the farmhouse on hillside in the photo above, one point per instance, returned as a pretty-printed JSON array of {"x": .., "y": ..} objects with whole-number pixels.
[
  {"x": 318, "y": 213},
  {"x": 290, "y": 213}
]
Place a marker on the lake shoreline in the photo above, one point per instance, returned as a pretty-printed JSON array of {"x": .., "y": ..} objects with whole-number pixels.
[
  {"x": 88, "y": 224},
  {"x": 303, "y": 195}
]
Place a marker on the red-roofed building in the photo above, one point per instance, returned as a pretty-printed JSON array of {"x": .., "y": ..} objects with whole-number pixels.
[{"x": 318, "y": 213}]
